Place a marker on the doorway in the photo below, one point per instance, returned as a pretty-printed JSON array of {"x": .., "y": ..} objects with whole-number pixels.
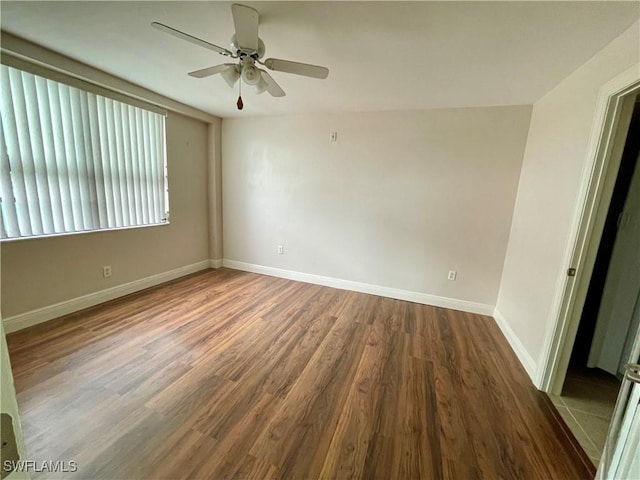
[{"x": 609, "y": 319}]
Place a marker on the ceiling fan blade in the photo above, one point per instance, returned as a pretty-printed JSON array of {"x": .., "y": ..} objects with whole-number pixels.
[
  {"x": 207, "y": 72},
  {"x": 191, "y": 38},
  {"x": 295, "y": 67},
  {"x": 270, "y": 85},
  {"x": 245, "y": 20}
]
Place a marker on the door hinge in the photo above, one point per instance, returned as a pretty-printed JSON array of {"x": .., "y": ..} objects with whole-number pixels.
[
  {"x": 632, "y": 372},
  {"x": 571, "y": 272},
  {"x": 9, "y": 451}
]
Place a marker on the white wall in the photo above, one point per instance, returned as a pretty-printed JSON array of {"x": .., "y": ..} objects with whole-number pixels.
[
  {"x": 399, "y": 200},
  {"x": 554, "y": 160},
  {"x": 41, "y": 272}
]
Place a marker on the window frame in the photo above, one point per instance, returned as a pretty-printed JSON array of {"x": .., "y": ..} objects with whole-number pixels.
[{"x": 96, "y": 89}]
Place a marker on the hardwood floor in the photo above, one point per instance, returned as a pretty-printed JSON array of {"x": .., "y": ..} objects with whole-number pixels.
[{"x": 226, "y": 374}]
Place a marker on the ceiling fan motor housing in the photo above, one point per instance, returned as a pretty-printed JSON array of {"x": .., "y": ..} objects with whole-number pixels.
[{"x": 241, "y": 52}]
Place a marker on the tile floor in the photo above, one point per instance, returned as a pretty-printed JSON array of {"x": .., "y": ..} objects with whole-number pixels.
[{"x": 586, "y": 405}]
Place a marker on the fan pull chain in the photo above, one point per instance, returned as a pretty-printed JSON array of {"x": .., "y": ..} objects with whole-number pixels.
[{"x": 239, "y": 103}]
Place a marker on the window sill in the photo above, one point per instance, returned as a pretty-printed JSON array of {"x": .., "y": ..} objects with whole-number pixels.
[{"x": 84, "y": 232}]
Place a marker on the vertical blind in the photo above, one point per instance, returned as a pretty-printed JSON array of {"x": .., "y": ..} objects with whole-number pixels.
[{"x": 75, "y": 161}]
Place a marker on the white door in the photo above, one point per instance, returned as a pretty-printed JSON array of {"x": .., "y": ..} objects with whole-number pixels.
[
  {"x": 621, "y": 456},
  {"x": 9, "y": 405},
  {"x": 616, "y": 327}
]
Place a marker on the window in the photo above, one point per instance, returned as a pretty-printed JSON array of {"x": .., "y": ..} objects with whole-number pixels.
[{"x": 73, "y": 160}]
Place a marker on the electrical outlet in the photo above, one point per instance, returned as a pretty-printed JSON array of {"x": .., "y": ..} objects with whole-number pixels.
[
  {"x": 280, "y": 249},
  {"x": 452, "y": 275},
  {"x": 106, "y": 271}
]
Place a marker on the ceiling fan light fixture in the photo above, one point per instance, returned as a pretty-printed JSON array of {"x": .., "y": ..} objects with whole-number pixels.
[
  {"x": 262, "y": 86},
  {"x": 230, "y": 75},
  {"x": 251, "y": 75}
]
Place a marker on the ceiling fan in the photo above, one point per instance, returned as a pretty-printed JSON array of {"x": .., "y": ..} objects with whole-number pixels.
[{"x": 248, "y": 49}]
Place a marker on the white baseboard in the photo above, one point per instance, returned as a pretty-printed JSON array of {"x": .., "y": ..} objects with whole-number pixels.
[
  {"x": 445, "y": 302},
  {"x": 215, "y": 263},
  {"x": 526, "y": 360},
  {"x": 40, "y": 315}
]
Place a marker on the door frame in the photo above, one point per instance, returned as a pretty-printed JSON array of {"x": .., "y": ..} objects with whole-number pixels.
[{"x": 604, "y": 152}]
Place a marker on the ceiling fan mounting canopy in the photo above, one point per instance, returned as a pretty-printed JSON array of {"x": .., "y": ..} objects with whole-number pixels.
[{"x": 248, "y": 49}]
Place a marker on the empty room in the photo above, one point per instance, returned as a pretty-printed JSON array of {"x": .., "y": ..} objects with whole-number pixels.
[{"x": 300, "y": 240}]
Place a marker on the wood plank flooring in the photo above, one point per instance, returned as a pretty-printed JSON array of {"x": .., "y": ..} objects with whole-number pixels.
[{"x": 226, "y": 374}]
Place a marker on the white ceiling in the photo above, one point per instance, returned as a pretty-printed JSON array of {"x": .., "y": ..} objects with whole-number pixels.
[{"x": 381, "y": 55}]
